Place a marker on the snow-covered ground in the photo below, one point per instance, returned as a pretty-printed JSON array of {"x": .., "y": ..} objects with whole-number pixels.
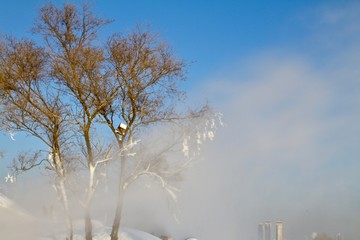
[
  {"x": 11, "y": 213},
  {"x": 101, "y": 232},
  {"x": 11, "y": 209}
]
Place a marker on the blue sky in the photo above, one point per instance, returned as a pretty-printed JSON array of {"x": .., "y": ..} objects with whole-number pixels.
[
  {"x": 208, "y": 34},
  {"x": 285, "y": 74}
]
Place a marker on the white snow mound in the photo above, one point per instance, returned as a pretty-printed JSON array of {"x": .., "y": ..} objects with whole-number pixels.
[
  {"x": 101, "y": 232},
  {"x": 8, "y": 207}
]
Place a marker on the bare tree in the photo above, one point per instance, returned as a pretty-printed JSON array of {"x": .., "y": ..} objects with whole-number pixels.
[
  {"x": 30, "y": 104},
  {"x": 63, "y": 91},
  {"x": 146, "y": 73},
  {"x": 78, "y": 66}
]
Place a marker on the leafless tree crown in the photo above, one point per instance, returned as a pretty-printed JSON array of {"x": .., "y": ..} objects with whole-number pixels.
[{"x": 63, "y": 87}]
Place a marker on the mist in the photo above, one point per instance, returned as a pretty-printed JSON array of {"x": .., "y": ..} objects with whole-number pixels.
[
  {"x": 289, "y": 152},
  {"x": 289, "y": 149}
]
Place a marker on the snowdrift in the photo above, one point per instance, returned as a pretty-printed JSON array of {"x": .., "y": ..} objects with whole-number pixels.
[
  {"x": 9, "y": 209},
  {"x": 11, "y": 213},
  {"x": 102, "y": 233}
]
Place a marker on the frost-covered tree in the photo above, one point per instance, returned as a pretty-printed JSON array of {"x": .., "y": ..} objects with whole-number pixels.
[
  {"x": 32, "y": 104},
  {"x": 68, "y": 84},
  {"x": 145, "y": 74},
  {"x": 79, "y": 68}
]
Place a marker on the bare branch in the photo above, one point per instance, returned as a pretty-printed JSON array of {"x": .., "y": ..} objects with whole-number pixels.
[{"x": 26, "y": 161}]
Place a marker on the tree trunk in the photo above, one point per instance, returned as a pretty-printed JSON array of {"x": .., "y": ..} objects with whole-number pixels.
[
  {"x": 91, "y": 186},
  {"x": 89, "y": 198},
  {"x": 70, "y": 231},
  {"x": 69, "y": 225},
  {"x": 119, "y": 205},
  {"x": 117, "y": 219},
  {"x": 88, "y": 225}
]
